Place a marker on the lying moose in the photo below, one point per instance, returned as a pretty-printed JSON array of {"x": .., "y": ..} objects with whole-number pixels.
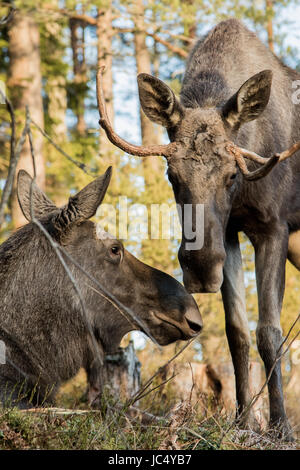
[{"x": 41, "y": 322}]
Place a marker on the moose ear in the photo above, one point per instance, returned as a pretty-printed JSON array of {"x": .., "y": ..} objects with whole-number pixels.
[
  {"x": 84, "y": 204},
  {"x": 250, "y": 101},
  {"x": 31, "y": 196},
  {"x": 158, "y": 101}
]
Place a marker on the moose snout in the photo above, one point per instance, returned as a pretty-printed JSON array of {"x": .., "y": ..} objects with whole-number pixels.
[
  {"x": 183, "y": 316},
  {"x": 194, "y": 321},
  {"x": 202, "y": 273},
  {"x": 210, "y": 284}
]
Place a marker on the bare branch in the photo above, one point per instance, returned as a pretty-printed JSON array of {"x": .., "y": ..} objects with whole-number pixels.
[
  {"x": 82, "y": 166},
  {"x": 137, "y": 321},
  {"x": 140, "y": 392},
  {"x": 164, "y": 382},
  {"x": 7, "y": 18},
  {"x": 177, "y": 50},
  {"x": 15, "y": 151},
  {"x": 92, "y": 21},
  {"x": 55, "y": 246}
]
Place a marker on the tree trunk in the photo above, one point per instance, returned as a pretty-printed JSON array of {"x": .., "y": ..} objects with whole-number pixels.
[
  {"x": 104, "y": 58},
  {"x": 120, "y": 376},
  {"x": 56, "y": 89},
  {"x": 269, "y": 11},
  {"x": 143, "y": 65},
  {"x": 79, "y": 70},
  {"x": 153, "y": 167},
  {"x": 25, "y": 83},
  {"x": 122, "y": 372}
]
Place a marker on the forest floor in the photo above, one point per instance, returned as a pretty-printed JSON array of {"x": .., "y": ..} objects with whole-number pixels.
[{"x": 171, "y": 425}]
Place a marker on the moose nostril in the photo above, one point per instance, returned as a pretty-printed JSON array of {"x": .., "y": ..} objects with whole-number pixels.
[{"x": 194, "y": 326}]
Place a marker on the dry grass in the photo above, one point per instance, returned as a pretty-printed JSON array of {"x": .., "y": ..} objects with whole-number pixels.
[{"x": 175, "y": 425}]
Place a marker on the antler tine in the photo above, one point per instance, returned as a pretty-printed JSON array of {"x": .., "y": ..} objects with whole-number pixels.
[
  {"x": 289, "y": 152},
  {"x": 252, "y": 156},
  {"x": 267, "y": 163},
  {"x": 282, "y": 156},
  {"x": 140, "y": 151}
]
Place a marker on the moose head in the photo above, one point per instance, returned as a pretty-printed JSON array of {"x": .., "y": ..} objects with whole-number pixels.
[
  {"x": 159, "y": 302},
  {"x": 204, "y": 165}
]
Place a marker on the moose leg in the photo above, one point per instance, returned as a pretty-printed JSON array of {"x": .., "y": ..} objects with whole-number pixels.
[
  {"x": 270, "y": 259},
  {"x": 237, "y": 329}
]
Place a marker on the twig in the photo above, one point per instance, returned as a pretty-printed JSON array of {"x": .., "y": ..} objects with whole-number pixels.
[
  {"x": 28, "y": 119},
  {"x": 136, "y": 396},
  {"x": 12, "y": 160},
  {"x": 6, "y": 19},
  {"x": 55, "y": 246},
  {"x": 112, "y": 302},
  {"x": 137, "y": 320},
  {"x": 256, "y": 397},
  {"x": 177, "y": 50},
  {"x": 15, "y": 152},
  {"x": 193, "y": 385},
  {"x": 139, "y": 397},
  {"x": 60, "y": 252},
  {"x": 82, "y": 166},
  {"x": 58, "y": 411}
]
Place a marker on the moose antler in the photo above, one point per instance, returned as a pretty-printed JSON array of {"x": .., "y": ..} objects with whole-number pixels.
[
  {"x": 167, "y": 150},
  {"x": 267, "y": 163},
  {"x": 140, "y": 151}
]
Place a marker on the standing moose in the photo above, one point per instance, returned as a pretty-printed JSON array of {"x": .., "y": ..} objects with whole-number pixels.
[
  {"x": 228, "y": 103},
  {"x": 41, "y": 321}
]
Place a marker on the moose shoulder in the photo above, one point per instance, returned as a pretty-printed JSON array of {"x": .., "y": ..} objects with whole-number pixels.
[
  {"x": 41, "y": 318},
  {"x": 228, "y": 134}
]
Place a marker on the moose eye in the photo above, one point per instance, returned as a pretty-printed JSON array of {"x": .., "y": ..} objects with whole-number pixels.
[
  {"x": 114, "y": 254},
  {"x": 231, "y": 179},
  {"x": 115, "y": 250}
]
